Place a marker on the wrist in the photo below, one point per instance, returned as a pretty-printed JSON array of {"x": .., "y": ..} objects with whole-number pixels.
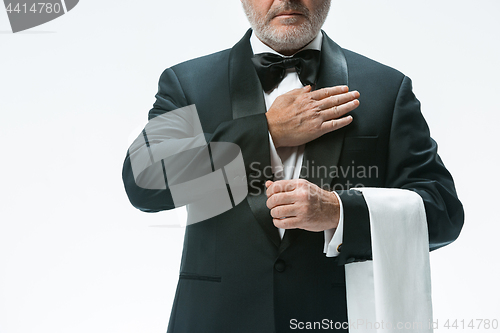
[
  {"x": 271, "y": 127},
  {"x": 335, "y": 208}
]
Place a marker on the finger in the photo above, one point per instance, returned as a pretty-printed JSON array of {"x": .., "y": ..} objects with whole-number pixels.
[
  {"x": 339, "y": 111},
  {"x": 297, "y": 91},
  {"x": 327, "y": 92},
  {"x": 268, "y": 183},
  {"x": 335, "y": 124},
  {"x": 338, "y": 100},
  {"x": 281, "y": 186},
  {"x": 280, "y": 199},
  {"x": 288, "y": 223},
  {"x": 307, "y": 88},
  {"x": 282, "y": 212}
]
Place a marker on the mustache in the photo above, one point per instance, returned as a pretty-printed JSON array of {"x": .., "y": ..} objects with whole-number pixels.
[{"x": 289, "y": 6}]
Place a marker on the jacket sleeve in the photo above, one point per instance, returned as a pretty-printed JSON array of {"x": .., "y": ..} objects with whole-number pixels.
[
  {"x": 414, "y": 164},
  {"x": 248, "y": 133}
]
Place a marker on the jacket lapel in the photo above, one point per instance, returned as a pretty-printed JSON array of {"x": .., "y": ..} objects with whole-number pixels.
[
  {"x": 325, "y": 150},
  {"x": 246, "y": 91},
  {"x": 247, "y": 99}
]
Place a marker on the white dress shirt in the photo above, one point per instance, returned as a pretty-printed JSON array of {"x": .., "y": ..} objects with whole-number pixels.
[{"x": 286, "y": 162}]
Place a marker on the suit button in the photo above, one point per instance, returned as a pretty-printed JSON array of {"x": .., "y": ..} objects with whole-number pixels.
[
  {"x": 280, "y": 266},
  {"x": 339, "y": 248}
]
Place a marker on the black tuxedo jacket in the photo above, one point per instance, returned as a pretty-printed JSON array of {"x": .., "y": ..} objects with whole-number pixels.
[{"x": 236, "y": 274}]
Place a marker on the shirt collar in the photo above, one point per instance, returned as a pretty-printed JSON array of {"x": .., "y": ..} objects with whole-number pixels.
[{"x": 259, "y": 47}]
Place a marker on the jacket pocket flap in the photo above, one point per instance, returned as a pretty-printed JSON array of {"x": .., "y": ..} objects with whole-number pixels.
[{"x": 191, "y": 276}]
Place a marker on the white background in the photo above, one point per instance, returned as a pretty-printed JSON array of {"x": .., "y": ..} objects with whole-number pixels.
[{"x": 75, "y": 256}]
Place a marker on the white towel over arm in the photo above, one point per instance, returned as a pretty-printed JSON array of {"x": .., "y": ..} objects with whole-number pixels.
[{"x": 393, "y": 291}]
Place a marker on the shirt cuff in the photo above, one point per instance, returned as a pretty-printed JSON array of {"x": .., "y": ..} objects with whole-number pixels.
[{"x": 333, "y": 237}]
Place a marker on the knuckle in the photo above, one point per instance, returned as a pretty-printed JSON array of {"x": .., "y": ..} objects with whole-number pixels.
[
  {"x": 335, "y": 124},
  {"x": 301, "y": 183},
  {"x": 279, "y": 223},
  {"x": 303, "y": 194},
  {"x": 316, "y": 108}
]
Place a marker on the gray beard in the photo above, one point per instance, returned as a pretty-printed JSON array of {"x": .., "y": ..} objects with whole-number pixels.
[{"x": 291, "y": 39}]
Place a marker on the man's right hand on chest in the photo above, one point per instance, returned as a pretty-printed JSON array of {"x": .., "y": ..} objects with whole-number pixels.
[{"x": 302, "y": 115}]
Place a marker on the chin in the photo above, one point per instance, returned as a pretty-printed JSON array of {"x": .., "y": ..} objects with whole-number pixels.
[{"x": 288, "y": 37}]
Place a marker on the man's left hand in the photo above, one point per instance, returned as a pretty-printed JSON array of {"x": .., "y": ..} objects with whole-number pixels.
[{"x": 298, "y": 203}]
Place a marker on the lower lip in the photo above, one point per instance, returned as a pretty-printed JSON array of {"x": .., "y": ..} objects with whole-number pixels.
[{"x": 288, "y": 15}]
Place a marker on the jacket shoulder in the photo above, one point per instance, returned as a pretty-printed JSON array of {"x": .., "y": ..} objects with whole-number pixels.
[
  {"x": 203, "y": 66},
  {"x": 369, "y": 67}
]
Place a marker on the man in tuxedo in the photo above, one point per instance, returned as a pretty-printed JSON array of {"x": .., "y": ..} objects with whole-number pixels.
[{"x": 312, "y": 121}]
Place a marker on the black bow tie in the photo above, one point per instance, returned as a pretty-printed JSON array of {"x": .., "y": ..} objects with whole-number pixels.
[{"x": 271, "y": 68}]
